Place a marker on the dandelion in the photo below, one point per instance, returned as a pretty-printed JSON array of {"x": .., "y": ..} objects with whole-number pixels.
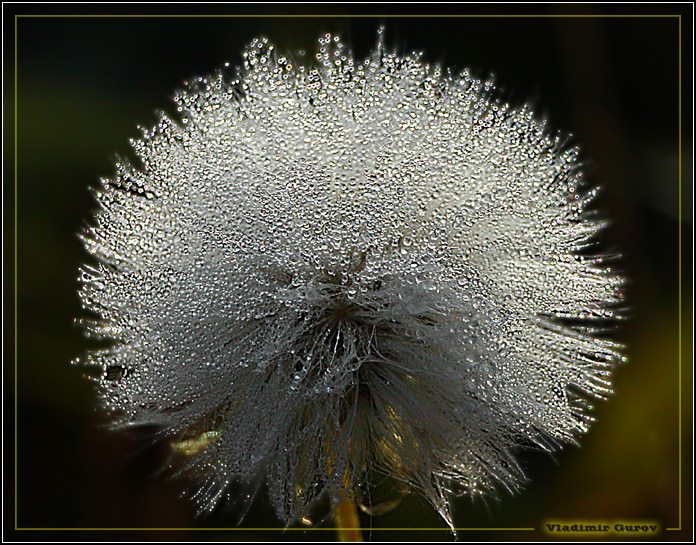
[{"x": 329, "y": 270}]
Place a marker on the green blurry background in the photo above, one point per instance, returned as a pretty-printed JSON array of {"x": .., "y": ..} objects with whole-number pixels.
[{"x": 83, "y": 86}]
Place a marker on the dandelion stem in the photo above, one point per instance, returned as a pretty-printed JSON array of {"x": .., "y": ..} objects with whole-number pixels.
[{"x": 347, "y": 521}]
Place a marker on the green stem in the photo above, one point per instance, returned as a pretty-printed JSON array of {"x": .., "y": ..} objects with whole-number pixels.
[{"x": 347, "y": 520}]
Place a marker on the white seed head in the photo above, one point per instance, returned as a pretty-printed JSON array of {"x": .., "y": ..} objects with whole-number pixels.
[{"x": 331, "y": 269}]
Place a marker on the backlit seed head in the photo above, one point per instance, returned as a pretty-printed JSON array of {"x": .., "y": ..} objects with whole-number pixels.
[{"x": 329, "y": 269}]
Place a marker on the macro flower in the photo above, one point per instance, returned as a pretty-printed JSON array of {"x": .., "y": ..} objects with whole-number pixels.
[{"x": 326, "y": 271}]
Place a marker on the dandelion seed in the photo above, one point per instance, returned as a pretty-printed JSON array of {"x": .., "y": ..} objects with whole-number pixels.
[{"x": 327, "y": 271}]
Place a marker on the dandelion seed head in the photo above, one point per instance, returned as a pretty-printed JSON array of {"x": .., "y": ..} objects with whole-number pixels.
[{"x": 329, "y": 268}]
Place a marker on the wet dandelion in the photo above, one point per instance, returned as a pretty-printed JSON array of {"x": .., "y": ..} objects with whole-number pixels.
[{"x": 334, "y": 269}]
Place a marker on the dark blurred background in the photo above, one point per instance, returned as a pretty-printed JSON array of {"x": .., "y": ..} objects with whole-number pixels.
[{"x": 84, "y": 84}]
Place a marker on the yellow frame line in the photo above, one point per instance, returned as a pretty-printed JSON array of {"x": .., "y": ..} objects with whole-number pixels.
[
  {"x": 362, "y": 16},
  {"x": 679, "y": 272},
  {"x": 16, "y": 303},
  {"x": 293, "y": 529}
]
